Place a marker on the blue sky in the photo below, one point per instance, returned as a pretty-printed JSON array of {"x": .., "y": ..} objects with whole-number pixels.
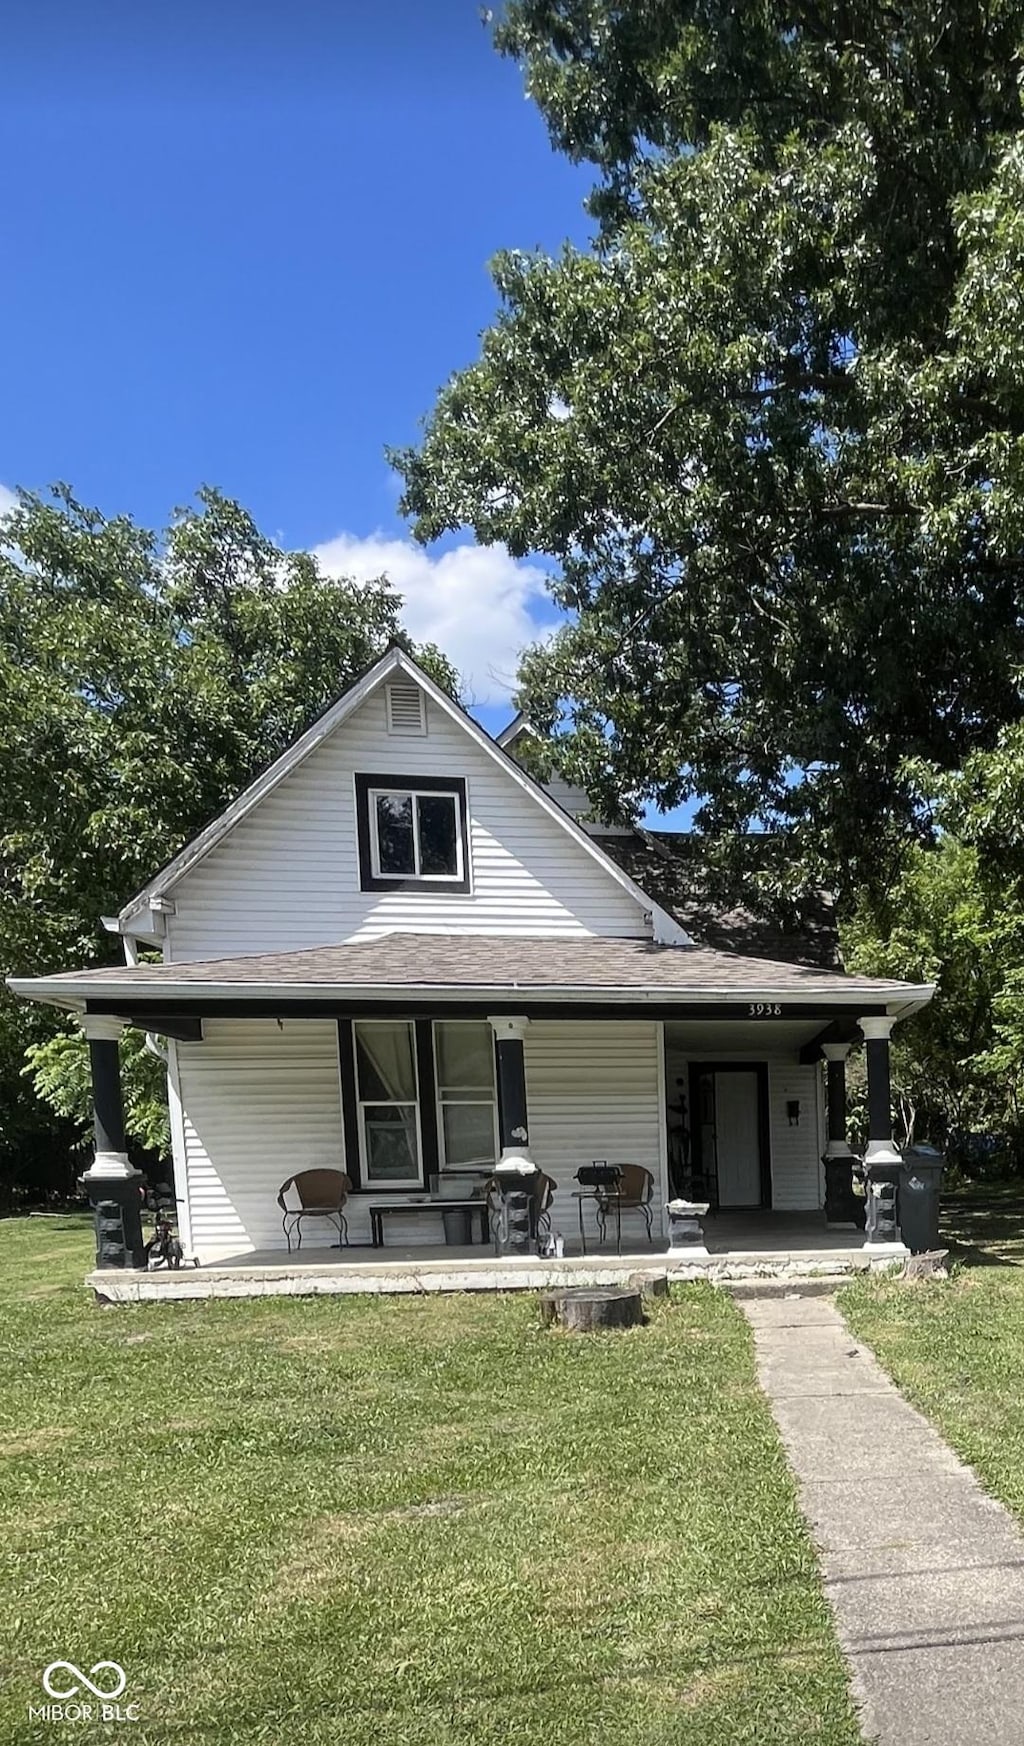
[{"x": 245, "y": 246}]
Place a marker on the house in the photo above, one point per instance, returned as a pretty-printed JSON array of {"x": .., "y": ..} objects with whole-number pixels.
[{"x": 398, "y": 955}]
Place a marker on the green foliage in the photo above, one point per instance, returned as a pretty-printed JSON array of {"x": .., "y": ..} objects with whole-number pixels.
[
  {"x": 955, "y": 916},
  {"x": 145, "y": 681},
  {"x": 59, "y": 1071},
  {"x": 942, "y": 922},
  {"x": 771, "y": 425}
]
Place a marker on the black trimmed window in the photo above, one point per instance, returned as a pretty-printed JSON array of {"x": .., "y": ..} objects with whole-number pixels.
[
  {"x": 467, "y": 1100},
  {"x": 388, "y": 1103},
  {"x": 412, "y": 833}
]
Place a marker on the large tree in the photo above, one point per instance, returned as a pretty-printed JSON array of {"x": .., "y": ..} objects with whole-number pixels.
[
  {"x": 955, "y": 916},
  {"x": 145, "y": 680},
  {"x": 771, "y": 424}
]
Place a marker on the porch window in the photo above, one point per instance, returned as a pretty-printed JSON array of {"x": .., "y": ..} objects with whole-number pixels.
[
  {"x": 388, "y": 1099},
  {"x": 412, "y": 831},
  {"x": 467, "y": 1105}
]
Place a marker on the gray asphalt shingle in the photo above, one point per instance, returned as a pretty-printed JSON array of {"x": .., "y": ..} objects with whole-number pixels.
[{"x": 399, "y": 960}]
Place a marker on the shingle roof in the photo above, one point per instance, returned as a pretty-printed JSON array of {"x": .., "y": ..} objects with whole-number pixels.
[
  {"x": 486, "y": 962},
  {"x": 672, "y": 867}
]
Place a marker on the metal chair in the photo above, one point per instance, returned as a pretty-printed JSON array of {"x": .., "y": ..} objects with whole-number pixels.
[
  {"x": 321, "y": 1194},
  {"x": 634, "y": 1193}
]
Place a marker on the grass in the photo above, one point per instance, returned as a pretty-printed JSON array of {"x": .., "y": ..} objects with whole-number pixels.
[
  {"x": 956, "y": 1347},
  {"x": 400, "y": 1522}
]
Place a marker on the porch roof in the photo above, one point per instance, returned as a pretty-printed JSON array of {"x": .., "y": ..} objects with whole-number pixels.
[{"x": 470, "y": 966}]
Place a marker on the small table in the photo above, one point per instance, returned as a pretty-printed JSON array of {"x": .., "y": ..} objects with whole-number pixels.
[
  {"x": 601, "y": 1196},
  {"x": 382, "y": 1209}
]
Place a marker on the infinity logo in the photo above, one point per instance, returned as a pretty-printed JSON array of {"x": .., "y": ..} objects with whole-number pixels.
[{"x": 55, "y": 1691}]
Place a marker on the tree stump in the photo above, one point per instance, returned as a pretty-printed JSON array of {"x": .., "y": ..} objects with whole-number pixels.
[
  {"x": 649, "y": 1284},
  {"x": 930, "y": 1265},
  {"x": 594, "y": 1307}
]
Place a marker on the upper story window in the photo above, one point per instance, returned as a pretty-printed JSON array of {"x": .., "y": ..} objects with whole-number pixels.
[{"x": 412, "y": 833}]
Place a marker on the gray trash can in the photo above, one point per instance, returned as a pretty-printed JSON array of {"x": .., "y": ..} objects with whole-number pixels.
[
  {"x": 917, "y": 1198},
  {"x": 458, "y": 1229}
]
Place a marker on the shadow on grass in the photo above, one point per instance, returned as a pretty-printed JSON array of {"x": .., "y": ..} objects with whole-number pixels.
[{"x": 984, "y": 1226}]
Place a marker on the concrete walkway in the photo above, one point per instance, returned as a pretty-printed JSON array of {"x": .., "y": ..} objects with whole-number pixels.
[{"x": 924, "y": 1572}]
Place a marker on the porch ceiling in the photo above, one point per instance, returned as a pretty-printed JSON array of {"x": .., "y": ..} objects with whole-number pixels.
[{"x": 736, "y": 1036}]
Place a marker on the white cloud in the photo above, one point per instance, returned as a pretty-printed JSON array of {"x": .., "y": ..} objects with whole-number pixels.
[{"x": 474, "y": 602}]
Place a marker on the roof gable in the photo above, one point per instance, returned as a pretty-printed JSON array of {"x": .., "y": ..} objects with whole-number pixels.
[{"x": 666, "y": 927}]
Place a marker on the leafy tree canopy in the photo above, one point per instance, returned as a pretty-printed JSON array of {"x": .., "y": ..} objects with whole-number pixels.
[
  {"x": 145, "y": 681},
  {"x": 954, "y": 915},
  {"x": 771, "y": 425}
]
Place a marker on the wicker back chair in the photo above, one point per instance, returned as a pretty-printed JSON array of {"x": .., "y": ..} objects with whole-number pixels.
[
  {"x": 319, "y": 1194},
  {"x": 634, "y": 1194}
]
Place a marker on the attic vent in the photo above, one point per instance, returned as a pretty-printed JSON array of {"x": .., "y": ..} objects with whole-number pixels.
[{"x": 406, "y": 710}]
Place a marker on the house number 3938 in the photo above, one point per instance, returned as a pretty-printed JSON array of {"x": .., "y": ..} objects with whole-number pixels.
[{"x": 764, "y": 1009}]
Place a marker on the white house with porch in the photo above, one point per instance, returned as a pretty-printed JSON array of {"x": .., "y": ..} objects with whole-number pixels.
[{"x": 399, "y": 960}]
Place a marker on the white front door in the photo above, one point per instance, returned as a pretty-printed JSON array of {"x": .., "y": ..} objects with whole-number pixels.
[{"x": 738, "y": 1139}]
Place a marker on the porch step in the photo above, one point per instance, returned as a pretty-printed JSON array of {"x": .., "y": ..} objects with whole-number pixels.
[{"x": 822, "y": 1285}]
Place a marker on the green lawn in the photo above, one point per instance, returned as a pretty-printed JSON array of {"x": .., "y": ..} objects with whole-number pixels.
[
  {"x": 400, "y": 1522},
  {"x": 956, "y": 1346}
]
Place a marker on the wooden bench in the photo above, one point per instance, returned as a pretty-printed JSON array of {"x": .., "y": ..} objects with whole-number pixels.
[{"x": 385, "y": 1208}]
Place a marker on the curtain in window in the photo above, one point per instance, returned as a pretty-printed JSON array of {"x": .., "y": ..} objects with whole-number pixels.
[{"x": 387, "y": 1071}]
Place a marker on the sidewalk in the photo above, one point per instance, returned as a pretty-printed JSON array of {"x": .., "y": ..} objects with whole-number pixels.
[{"x": 924, "y": 1572}]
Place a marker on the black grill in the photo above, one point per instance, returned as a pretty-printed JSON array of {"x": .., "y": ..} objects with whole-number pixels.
[{"x": 598, "y": 1174}]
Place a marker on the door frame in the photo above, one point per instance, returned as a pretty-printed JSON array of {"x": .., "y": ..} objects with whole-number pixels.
[{"x": 763, "y": 1124}]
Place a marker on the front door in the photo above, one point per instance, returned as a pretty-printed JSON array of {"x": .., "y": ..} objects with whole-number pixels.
[
  {"x": 729, "y": 1142},
  {"x": 738, "y": 1138}
]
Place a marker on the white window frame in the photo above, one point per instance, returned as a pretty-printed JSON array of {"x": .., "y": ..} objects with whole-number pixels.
[
  {"x": 416, "y": 795},
  {"x": 467, "y": 1097},
  {"x": 382, "y": 1184}
]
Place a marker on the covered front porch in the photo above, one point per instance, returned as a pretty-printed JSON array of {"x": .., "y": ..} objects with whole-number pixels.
[{"x": 413, "y": 1071}]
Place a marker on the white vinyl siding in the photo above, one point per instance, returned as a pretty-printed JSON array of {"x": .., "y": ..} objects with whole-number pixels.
[
  {"x": 592, "y": 1091},
  {"x": 796, "y": 1151},
  {"x": 261, "y": 1101},
  {"x": 287, "y": 876}
]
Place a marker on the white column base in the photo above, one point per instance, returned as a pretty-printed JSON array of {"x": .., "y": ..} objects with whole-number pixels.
[
  {"x": 108, "y": 1165},
  {"x": 516, "y": 1161},
  {"x": 882, "y": 1152},
  {"x": 838, "y": 1149},
  {"x": 688, "y": 1252},
  {"x": 897, "y": 1251}
]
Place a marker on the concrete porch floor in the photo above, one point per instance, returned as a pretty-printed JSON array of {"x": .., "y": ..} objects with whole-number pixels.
[{"x": 740, "y": 1246}]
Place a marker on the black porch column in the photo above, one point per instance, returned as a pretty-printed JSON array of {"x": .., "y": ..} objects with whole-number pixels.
[
  {"x": 843, "y": 1209},
  {"x": 882, "y": 1159},
  {"x": 516, "y": 1173},
  {"x": 112, "y": 1185}
]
